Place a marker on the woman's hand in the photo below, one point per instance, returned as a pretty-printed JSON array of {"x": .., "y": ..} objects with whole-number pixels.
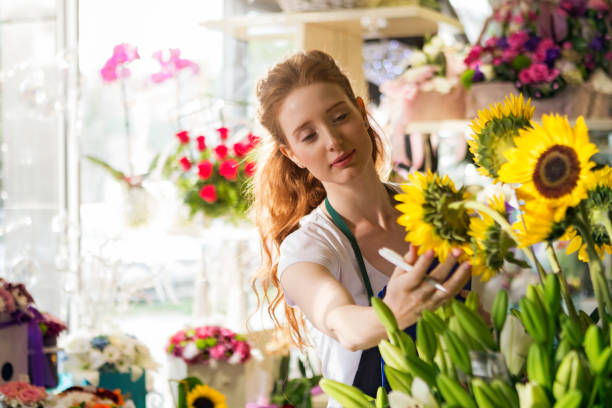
[{"x": 408, "y": 293}]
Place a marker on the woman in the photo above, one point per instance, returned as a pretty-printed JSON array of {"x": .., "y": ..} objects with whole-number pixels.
[{"x": 319, "y": 186}]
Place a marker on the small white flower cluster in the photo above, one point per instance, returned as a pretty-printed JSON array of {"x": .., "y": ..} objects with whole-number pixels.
[{"x": 118, "y": 352}]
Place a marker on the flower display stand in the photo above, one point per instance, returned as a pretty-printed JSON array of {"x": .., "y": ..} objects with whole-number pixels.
[
  {"x": 13, "y": 350},
  {"x": 573, "y": 101},
  {"x": 135, "y": 390},
  {"x": 228, "y": 379},
  {"x": 434, "y": 105}
]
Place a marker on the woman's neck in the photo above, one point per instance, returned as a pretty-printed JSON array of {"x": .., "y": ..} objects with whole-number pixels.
[{"x": 365, "y": 199}]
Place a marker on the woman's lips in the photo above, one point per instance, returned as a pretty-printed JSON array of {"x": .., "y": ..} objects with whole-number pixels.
[{"x": 344, "y": 159}]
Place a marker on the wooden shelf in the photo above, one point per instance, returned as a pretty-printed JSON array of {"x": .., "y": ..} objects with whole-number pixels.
[
  {"x": 377, "y": 22},
  {"x": 464, "y": 125}
]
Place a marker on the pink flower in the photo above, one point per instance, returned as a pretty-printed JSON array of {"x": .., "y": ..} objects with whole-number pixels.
[
  {"x": 497, "y": 61},
  {"x": 223, "y": 133},
  {"x": 253, "y": 140},
  {"x": 491, "y": 42},
  {"x": 221, "y": 151},
  {"x": 518, "y": 19},
  {"x": 537, "y": 73},
  {"x": 7, "y": 304},
  {"x": 183, "y": 137},
  {"x": 249, "y": 169},
  {"x": 316, "y": 390},
  {"x": 201, "y": 140},
  {"x": 517, "y": 39},
  {"x": 543, "y": 47},
  {"x": 204, "y": 332},
  {"x": 205, "y": 169},
  {"x": 178, "y": 337},
  {"x": 473, "y": 57},
  {"x": 209, "y": 193},
  {"x": 229, "y": 170},
  {"x": 31, "y": 394},
  {"x": 218, "y": 352},
  {"x": 11, "y": 389},
  {"x": 20, "y": 294},
  {"x": 226, "y": 332},
  {"x": 185, "y": 163},
  {"x": 598, "y": 5},
  {"x": 124, "y": 53},
  {"x": 109, "y": 72}
]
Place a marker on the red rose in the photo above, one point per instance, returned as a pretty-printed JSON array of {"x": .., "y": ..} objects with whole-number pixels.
[
  {"x": 223, "y": 133},
  {"x": 209, "y": 193},
  {"x": 185, "y": 163},
  {"x": 249, "y": 168},
  {"x": 183, "y": 136},
  {"x": 229, "y": 169},
  {"x": 253, "y": 140},
  {"x": 201, "y": 143},
  {"x": 221, "y": 151},
  {"x": 240, "y": 149},
  {"x": 205, "y": 169}
]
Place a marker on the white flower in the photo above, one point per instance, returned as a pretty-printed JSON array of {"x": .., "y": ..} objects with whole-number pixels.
[
  {"x": 601, "y": 82},
  {"x": 514, "y": 343},
  {"x": 487, "y": 71},
  {"x": 111, "y": 354},
  {"x": 433, "y": 47},
  {"x": 421, "y": 397},
  {"x": 96, "y": 359},
  {"x": 531, "y": 395},
  {"x": 417, "y": 58},
  {"x": 234, "y": 359},
  {"x": 190, "y": 351}
]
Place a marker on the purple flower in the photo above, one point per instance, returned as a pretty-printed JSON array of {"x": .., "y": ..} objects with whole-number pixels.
[
  {"x": 597, "y": 43},
  {"x": 478, "y": 75},
  {"x": 532, "y": 43},
  {"x": 502, "y": 43},
  {"x": 575, "y": 8},
  {"x": 551, "y": 56}
]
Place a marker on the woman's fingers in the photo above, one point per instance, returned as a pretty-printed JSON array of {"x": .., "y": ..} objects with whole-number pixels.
[
  {"x": 415, "y": 277},
  {"x": 412, "y": 254},
  {"x": 454, "y": 284},
  {"x": 441, "y": 271}
]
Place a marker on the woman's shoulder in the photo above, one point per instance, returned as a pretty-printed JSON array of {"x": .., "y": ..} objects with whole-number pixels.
[{"x": 315, "y": 226}]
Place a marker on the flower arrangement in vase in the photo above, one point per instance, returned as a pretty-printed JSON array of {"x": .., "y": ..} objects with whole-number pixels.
[
  {"x": 20, "y": 394},
  {"x": 90, "y": 397},
  {"x": 544, "y": 351},
  {"x": 208, "y": 345},
  {"x": 212, "y": 178},
  {"x": 543, "y": 47}
]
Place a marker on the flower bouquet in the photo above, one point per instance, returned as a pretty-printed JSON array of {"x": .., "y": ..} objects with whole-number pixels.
[
  {"x": 20, "y": 394},
  {"x": 432, "y": 75},
  {"x": 90, "y": 397},
  {"x": 544, "y": 352},
  {"x": 541, "y": 48},
  {"x": 212, "y": 179},
  {"x": 215, "y": 355},
  {"x": 112, "y": 361}
]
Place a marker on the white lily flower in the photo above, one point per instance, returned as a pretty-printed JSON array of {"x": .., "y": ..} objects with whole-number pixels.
[
  {"x": 421, "y": 397},
  {"x": 514, "y": 344},
  {"x": 531, "y": 395}
]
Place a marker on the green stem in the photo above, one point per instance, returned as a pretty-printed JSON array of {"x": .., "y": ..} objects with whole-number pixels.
[
  {"x": 556, "y": 268},
  {"x": 596, "y": 270},
  {"x": 594, "y": 391},
  {"x": 505, "y": 226}
]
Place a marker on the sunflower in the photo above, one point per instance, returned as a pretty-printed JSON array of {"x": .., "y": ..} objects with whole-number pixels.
[
  {"x": 599, "y": 209},
  {"x": 494, "y": 131},
  {"x": 602, "y": 243},
  {"x": 551, "y": 162},
  {"x": 491, "y": 246},
  {"x": 537, "y": 224},
  {"x": 429, "y": 221},
  {"x": 202, "y": 396}
]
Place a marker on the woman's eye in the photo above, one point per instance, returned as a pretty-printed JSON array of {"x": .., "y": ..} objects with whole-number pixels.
[
  {"x": 308, "y": 137},
  {"x": 340, "y": 117}
]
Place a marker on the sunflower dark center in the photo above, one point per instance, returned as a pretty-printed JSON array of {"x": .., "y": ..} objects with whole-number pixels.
[
  {"x": 557, "y": 171},
  {"x": 449, "y": 224},
  {"x": 203, "y": 402}
]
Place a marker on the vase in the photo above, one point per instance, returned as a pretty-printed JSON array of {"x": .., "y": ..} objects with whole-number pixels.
[
  {"x": 135, "y": 390},
  {"x": 228, "y": 379},
  {"x": 573, "y": 101},
  {"x": 431, "y": 105}
]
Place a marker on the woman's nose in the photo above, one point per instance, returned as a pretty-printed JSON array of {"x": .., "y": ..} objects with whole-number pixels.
[{"x": 333, "y": 138}]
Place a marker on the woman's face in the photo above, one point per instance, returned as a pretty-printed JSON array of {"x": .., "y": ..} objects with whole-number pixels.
[{"x": 325, "y": 132}]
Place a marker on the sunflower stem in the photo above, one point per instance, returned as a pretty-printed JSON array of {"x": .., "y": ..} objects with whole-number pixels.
[
  {"x": 505, "y": 226},
  {"x": 556, "y": 268},
  {"x": 596, "y": 270}
]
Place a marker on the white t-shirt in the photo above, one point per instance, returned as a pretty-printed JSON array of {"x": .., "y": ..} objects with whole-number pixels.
[{"x": 318, "y": 240}]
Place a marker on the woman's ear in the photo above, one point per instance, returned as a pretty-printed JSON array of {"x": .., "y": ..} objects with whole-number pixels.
[{"x": 288, "y": 153}]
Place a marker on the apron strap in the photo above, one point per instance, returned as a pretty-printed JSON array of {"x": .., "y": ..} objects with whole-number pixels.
[{"x": 347, "y": 232}]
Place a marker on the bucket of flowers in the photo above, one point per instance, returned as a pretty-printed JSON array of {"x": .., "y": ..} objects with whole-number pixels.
[
  {"x": 211, "y": 178},
  {"x": 213, "y": 354},
  {"x": 20, "y": 394},
  {"x": 556, "y": 52},
  {"x": 544, "y": 352},
  {"x": 116, "y": 361},
  {"x": 90, "y": 397}
]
